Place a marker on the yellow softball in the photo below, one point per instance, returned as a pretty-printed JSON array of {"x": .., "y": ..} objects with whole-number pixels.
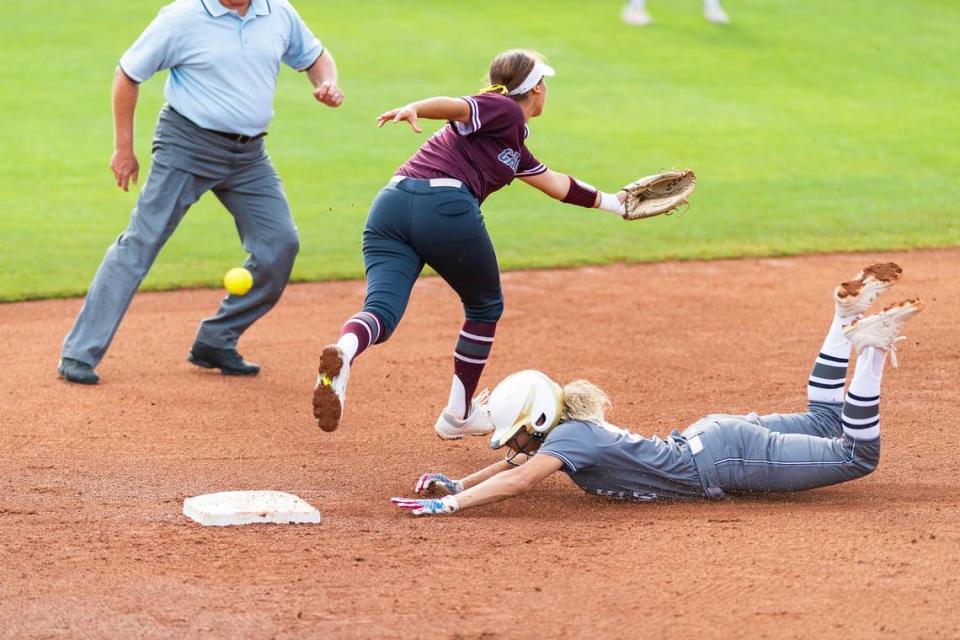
[{"x": 238, "y": 281}]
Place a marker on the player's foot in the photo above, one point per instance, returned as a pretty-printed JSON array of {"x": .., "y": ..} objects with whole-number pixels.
[
  {"x": 716, "y": 15},
  {"x": 882, "y": 330},
  {"x": 331, "y": 390},
  {"x": 449, "y": 426},
  {"x": 229, "y": 361},
  {"x": 855, "y": 296},
  {"x": 636, "y": 17},
  {"x": 75, "y": 371}
]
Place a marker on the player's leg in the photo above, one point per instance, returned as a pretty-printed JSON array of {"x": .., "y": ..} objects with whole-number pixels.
[
  {"x": 392, "y": 268},
  {"x": 827, "y": 379},
  {"x": 165, "y": 198},
  {"x": 747, "y": 457},
  {"x": 254, "y": 196},
  {"x": 453, "y": 240},
  {"x": 635, "y": 13}
]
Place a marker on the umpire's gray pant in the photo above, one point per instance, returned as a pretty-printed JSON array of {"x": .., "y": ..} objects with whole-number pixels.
[
  {"x": 187, "y": 162},
  {"x": 778, "y": 452}
]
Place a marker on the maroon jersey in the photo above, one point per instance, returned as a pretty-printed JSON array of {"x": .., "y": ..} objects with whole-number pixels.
[{"x": 485, "y": 153}]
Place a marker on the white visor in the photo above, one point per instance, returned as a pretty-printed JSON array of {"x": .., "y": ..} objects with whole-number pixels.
[{"x": 540, "y": 71}]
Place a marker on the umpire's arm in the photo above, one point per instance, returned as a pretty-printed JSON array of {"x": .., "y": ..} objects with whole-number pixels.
[
  {"x": 510, "y": 483},
  {"x": 124, "y": 162}
]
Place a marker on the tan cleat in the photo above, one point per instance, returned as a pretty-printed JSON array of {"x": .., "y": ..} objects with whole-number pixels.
[
  {"x": 882, "y": 330},
  {"x": 451, "y": 427},
  {"x": 855, "y": 296}
]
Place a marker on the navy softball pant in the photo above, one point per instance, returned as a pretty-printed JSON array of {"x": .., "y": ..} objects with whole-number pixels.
[{"x": 412, "y": 223}]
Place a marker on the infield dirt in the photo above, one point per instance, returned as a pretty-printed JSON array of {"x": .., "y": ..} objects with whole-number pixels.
[{"x": 93, "y": 544}]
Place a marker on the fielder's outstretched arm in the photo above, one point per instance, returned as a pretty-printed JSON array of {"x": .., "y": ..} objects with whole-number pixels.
[
  {"x": 504, "y": 484},
  {"x": 439, "y": 108},
  {"x": 568, "y": 189}
]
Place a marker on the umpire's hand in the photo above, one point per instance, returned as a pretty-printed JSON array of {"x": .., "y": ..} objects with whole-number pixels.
[
  {"x": 125, "y": 167},
  {"x": 329, "y": 94}
]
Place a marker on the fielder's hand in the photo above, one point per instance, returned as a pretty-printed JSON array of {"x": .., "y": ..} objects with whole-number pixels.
[
  {"x": 430, "y": 481},
  {"x": 329, "y": 94},
  {"x": 125, "y": 167},
  {"x": 430, "y": 507},
  {"x": 407, "y": 113}
]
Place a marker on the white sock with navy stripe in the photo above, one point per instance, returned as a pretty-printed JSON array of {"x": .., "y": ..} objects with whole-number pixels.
[
  {"x": 861, "y": 410},
  {"x": 829, "y": 374}
]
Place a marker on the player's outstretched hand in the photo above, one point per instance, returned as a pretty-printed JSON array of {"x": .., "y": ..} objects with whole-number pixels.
[
  {"x": 408, "y": 114},
  {"x": 428, "y": 507},
  {"x": 329, "y": 94},
  {"x": 437, "y": 481}
]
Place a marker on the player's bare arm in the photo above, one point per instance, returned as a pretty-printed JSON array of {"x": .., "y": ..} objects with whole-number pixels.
[
  {"x": 558, "y": 186},
  {"x": 438, "y": 108},
  {"x": 323, "y": 76},
  {"x": 644, "y": 198},
  {"x": 510, "y": 483},
  {"x": 503, "y": 485},
  {"x": 124, "y": 162},
  {"x": 437, "y": 482}
]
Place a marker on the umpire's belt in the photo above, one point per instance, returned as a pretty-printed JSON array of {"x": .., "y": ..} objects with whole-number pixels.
[
  {"x": 233, "y": 137},
  {"x": 703, "y": 459},
  {"x": 434, "y": 182}
]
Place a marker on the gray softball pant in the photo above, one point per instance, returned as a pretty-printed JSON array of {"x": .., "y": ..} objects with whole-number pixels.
[
  {"x": 187, "y": 162},
  {"x": 778, "y": 452}
]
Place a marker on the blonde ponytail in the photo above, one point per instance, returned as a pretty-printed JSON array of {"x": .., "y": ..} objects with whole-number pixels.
[
  {"x": 583, "y": 400},
  {"x": 496, "y": 88}
]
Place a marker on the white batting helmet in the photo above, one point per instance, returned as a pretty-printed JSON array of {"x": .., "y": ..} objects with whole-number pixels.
[{"x": 527, "y": 400}]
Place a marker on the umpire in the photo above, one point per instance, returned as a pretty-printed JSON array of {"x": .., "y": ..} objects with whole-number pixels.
[{"x": 224, "y": 58}]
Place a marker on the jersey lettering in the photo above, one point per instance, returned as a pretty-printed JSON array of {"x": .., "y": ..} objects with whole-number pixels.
[
  {"x": 634, "y": 496},
  {"x": 510, "y": 158}
]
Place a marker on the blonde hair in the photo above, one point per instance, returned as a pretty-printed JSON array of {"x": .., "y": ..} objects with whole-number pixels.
[
  {"x": 583, "y": 400},
  {"x": 509, "y": 69}
]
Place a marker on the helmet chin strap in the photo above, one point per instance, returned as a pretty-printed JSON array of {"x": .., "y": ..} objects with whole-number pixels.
[{"x": 533, "y": 438}]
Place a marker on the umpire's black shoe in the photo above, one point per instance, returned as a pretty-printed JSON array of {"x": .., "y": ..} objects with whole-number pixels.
[
  {"x": 75, "y": 371},
  {"x": 228, "y": 361}
]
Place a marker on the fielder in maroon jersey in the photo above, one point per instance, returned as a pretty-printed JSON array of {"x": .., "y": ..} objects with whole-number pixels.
[{"x": 429, "y": 213}]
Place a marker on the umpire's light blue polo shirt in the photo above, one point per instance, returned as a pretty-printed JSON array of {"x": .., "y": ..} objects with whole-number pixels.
[{"x": 223, "y": 68}]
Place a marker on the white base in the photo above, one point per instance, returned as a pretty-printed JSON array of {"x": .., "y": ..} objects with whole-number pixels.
[{"x": 249, "y": 507}]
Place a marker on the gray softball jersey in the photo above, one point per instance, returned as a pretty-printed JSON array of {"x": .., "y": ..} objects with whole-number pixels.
[
  {"x": 722, "y": 453},
  {"x": 613, "y": 462}
]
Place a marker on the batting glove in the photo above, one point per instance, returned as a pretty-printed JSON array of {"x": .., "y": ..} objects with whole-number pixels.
[
  {"x": 429, "y": 507},
  {"x": 430, "y": 480}
]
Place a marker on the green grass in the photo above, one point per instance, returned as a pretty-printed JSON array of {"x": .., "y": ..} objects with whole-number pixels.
[{"x": 813, "y": 126}]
